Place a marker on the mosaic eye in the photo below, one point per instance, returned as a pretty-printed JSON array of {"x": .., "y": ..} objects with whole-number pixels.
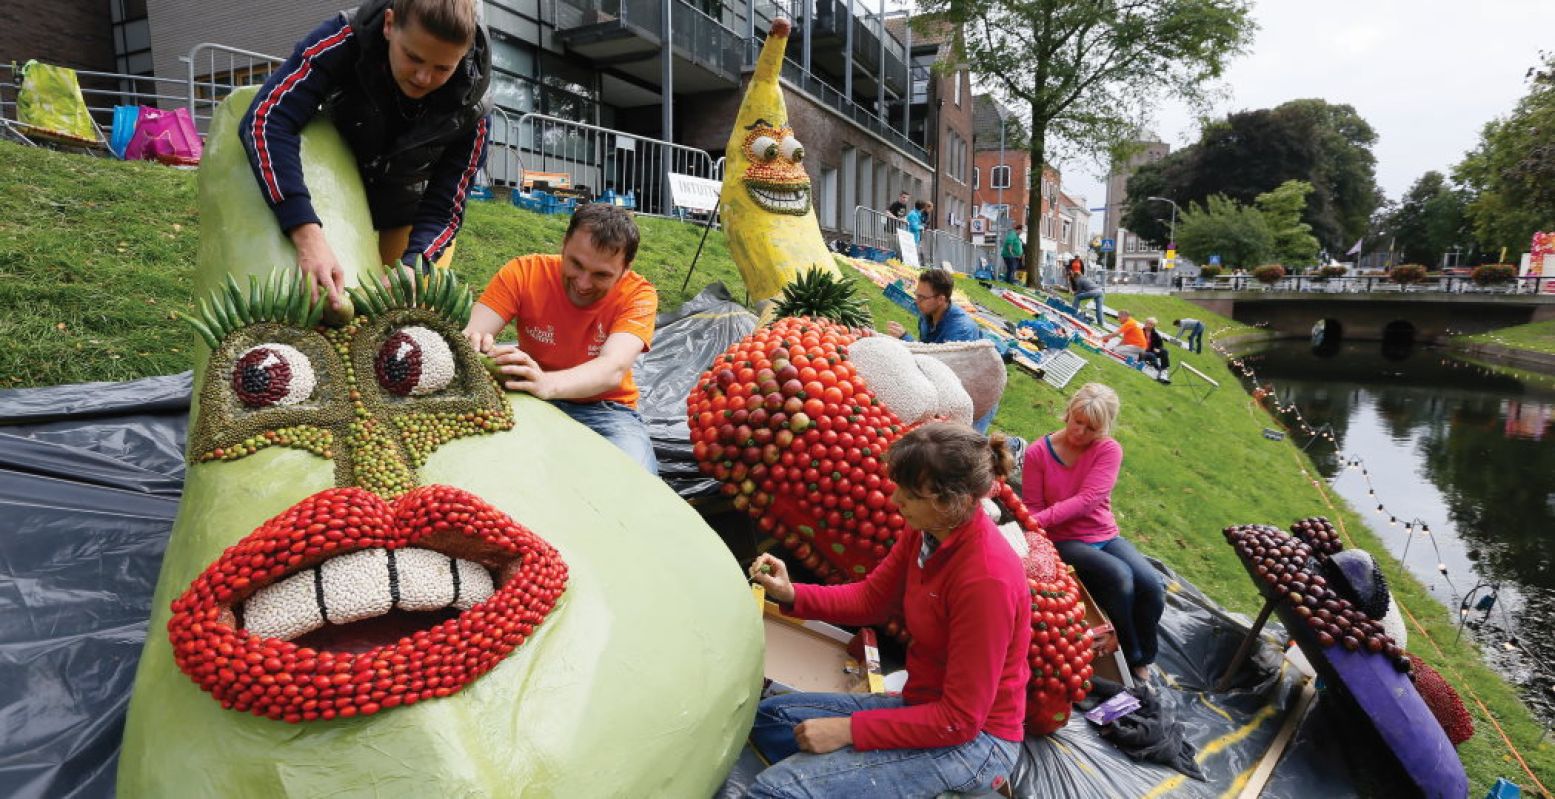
[
  {"x": 271, "y": 375},
  {"x": 764, "y": 148},
  {"x": 414, "y": 361},
  {"x": 791, "y": 149}
]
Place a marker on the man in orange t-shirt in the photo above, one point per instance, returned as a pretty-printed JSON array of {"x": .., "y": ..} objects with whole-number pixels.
[
  {"x": 1133, "y": 336},
  {"x": 583, "y": 317}
]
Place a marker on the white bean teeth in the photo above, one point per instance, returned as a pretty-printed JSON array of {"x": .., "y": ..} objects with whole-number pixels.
[{"x": 362, "y": 585}]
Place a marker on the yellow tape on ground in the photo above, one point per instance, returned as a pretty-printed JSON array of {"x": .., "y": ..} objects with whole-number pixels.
[{"x": 1172, "y": 783}]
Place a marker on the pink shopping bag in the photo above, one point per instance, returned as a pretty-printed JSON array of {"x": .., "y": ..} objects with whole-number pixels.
[{"x": 166, "y": 136}]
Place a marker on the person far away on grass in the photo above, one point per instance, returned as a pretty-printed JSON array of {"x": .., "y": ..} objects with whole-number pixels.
[{"x": 406, "y": 84}]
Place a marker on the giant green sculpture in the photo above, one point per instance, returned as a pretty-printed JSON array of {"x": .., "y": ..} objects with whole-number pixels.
[{"x": 388, "y": 578}]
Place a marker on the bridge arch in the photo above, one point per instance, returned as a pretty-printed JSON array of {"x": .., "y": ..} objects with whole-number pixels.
[
  {"x": 1398, "y": 338},
  {"x": 1327, "y": 337}
]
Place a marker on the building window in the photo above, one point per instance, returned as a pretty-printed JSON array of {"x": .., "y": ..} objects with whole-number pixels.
[
  {"x": 829, "y": 198},
  {"x": 999, "y": 177},
  {"x": 131, "y": 36},
  {"x": 957, "y": 79}
]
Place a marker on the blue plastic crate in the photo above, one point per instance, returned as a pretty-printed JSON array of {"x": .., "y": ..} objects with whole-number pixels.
[
  {"x": 481, "y": 193},
  {"x": 1055, "y": 302},
  {"x": 895, "y": 293}
]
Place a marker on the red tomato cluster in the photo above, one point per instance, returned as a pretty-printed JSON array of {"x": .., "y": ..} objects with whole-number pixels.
[
  {"x": 281, "y": 680},
  {"x": 798, "y": 440},
  {"x": 1443, "y": 701},
  {"x": 1060, "y": 654}
]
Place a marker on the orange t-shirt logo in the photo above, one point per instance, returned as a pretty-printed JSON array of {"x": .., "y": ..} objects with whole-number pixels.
[{"x": 528, "y": 291}]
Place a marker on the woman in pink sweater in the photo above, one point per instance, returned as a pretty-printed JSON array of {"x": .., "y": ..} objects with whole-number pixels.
[
  {"x": 958, "y": 723},
  {"x": 1066, "y": 481}
]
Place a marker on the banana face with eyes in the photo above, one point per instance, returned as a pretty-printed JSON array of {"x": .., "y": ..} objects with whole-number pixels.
[{"x": 775, "y": 180}]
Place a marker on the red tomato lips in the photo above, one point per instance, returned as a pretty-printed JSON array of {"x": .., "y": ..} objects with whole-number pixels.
[{"x": 347, "y": 604}]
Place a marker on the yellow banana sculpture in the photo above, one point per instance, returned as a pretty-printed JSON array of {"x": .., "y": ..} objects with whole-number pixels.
[{"x": 767, "y": 210}]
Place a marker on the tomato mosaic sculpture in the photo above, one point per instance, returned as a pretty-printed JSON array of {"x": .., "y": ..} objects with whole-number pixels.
[{"x": 796, "y": 430}]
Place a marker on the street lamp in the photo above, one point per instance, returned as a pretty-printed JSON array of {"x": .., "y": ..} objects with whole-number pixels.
[{"x": 1172, "y": 233}]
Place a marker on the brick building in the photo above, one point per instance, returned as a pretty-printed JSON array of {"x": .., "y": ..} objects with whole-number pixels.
[
  {"x": 74, "y": 33},
  {"x": 940, "y": 119},
  {"x": 1002, "y": 178}
]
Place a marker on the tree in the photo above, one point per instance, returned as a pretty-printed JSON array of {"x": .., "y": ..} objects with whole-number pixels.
[
  {"x": 1088, "y": 70},
  {"x": 1511, "y": 173},
  {"x": 1222, "y": 226},
  {"x": 1428, "y": 221},
  {"x": 1293, "y": 242},
  {"x": 1252, "y": 152}
]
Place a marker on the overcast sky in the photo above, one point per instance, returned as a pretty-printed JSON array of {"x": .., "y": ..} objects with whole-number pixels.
[{"x": 1427, "y": 75}]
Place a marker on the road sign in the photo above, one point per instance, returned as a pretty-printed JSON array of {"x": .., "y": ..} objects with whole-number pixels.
[
  {"x": 1214, "y": 260},
  {"x": 1108, "y": 245},
  {"x": 979, "y": 224}
]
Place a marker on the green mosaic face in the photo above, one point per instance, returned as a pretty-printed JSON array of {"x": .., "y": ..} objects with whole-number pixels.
[{"x": 377, "y": 395}]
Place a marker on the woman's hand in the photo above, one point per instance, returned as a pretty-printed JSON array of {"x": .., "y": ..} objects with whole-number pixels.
[
  {"x": 772, "y": 574},
  {"x": 819, "y": 736}
]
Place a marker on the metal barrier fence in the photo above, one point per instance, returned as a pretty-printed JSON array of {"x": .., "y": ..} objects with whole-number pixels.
[
  {"x": 1179, "y": 280},
  {"x": 1125, "y": 282},
  {"x": 597, "y": 159},
  {"x": 943, "y": 247},
  {"x": 872, "y": 228},
  {"x": 101, "y": 91},
  {"x": 215, "y": 71}
]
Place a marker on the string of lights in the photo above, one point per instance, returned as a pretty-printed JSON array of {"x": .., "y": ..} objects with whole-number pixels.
[{"x": 1413, "y": 527}]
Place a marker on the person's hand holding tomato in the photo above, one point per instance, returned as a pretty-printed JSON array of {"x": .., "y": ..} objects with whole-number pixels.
[{"x": 772, "y": 574}]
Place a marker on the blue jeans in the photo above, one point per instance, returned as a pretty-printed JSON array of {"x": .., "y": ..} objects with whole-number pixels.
[
  {"x": 980, "y": 765},
  {"x": 1196, "y": 337},
  {"x": 981, "y": 423},
  {"x": 1081, "y": 296},
  {"x": 1126, "y": 586},
  {"x": 619, "y": 424}
]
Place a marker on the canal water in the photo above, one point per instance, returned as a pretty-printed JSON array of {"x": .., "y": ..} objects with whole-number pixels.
[{"x": 1461, "y": 459}]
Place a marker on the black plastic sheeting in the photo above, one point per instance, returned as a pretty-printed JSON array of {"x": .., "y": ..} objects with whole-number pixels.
[
  {"x": 685, "y": 343},
  {"x": 1231, "y": 730},
  {"x": 90, "y": 477}
]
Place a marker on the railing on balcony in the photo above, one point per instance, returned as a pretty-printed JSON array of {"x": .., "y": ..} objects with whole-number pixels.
[
  {"x": 833, "y": 98},
  {"x": 695, "y": 35}
]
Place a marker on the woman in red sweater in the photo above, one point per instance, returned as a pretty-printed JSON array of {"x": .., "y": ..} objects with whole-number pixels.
[{"x": 958, "y": 724}]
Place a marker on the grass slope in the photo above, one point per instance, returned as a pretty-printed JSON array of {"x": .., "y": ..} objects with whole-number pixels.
[
  {"x": 1534, "y": 337},
  {"x": 95, "y": 255}
]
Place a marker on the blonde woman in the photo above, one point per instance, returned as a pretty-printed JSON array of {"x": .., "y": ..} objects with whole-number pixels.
[{"x": 1066, "y": 481}]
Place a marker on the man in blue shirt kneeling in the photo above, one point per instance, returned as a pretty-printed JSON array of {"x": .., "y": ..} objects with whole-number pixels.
[{"x": 941, "y": 321}]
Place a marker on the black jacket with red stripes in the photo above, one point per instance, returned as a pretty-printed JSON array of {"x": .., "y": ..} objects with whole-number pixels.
[{"x": 424, "y": 153}]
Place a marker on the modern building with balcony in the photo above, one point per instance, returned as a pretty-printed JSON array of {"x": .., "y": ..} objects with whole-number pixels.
[{"x": 606, "y": 63}]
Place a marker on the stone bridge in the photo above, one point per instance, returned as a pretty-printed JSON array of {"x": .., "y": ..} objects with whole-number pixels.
[{"x": 1403, "y": 317}]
